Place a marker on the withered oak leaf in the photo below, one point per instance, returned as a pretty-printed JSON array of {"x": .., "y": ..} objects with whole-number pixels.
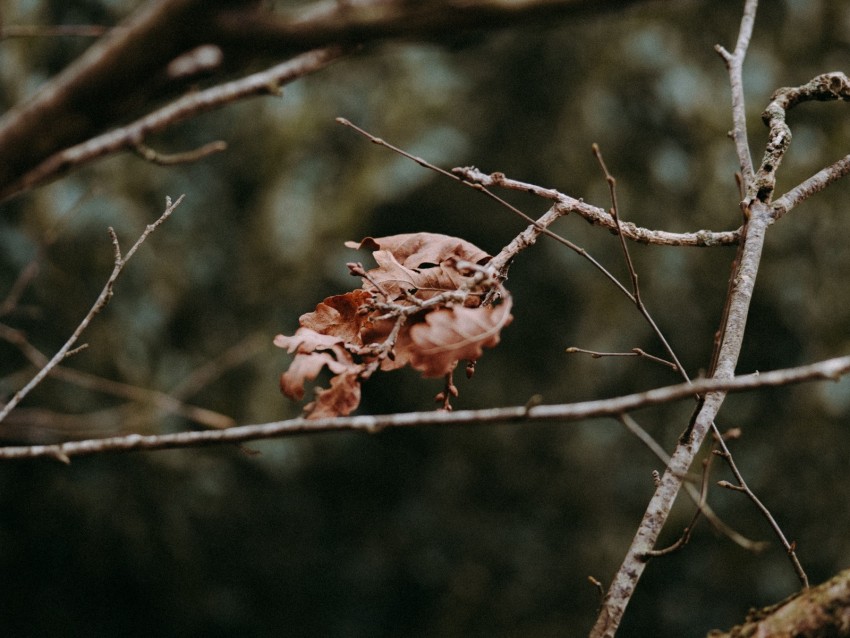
[
  {"x": 397, "y": 318},
  {"x": 412, "y": 250},
  {"x": 340, "y": 399},
  {"x": 451, "y": 334},
  {"x": 338, "y": 316}
]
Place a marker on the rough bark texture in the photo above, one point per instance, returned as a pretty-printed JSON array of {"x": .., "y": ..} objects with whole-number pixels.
[{"x": 820, "y": 611}]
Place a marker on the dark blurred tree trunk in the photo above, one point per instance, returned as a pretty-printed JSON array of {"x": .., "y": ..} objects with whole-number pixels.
[{"x": 130, "y": 71}]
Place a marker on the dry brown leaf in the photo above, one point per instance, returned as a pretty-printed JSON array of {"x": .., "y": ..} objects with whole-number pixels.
[
  {"x": 341, "y": 399},
  {"x": 339, "y": 316},
  {"x": 355, "y": 333},
  {"x": 412, "y": 250},
  {"x": 456, "y": 333},
  {"x": 396, "y": 280},
  {"x": 306, "y": 367},
  {"x": 306, "y": 340},
  {"x": 322, "y": 340}
]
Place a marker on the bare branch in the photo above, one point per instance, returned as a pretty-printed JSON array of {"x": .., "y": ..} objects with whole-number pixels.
[
  {"x": 735, "y": 65},
  {"x": 697, "y": 496},
  {"x": 633, "y": 275},
  {"x": 160, "y": 400},
  {"x": 525, "y": 239},
  {"x": 102, "y": 299},
  {"x": 186, "y": 157},
  {"x": 634, "y": 352},
  {"x": 758, "y": 216},
  {"x": 812, "y": 185},
  {"x": 131, "y": 136},
  {"x": 829, "y": 86},
  {"x": 661, "y": 503},
  {"x": 742, "y": 486},
  {"x": 601, "y": 217},
  {"x": 827, "y": 369}
]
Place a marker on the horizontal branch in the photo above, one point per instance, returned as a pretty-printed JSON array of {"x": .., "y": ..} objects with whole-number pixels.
[
  {"x": 827, "y": 369},
  {"x": 600, "y": 217}
]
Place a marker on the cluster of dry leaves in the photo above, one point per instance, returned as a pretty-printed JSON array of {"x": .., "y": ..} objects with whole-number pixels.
[{"x": 430, "y": 303}]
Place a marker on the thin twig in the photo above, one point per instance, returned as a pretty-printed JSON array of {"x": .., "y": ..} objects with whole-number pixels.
[
  {"x": 827, "y": 369},
  {"x": 186, "y": 157},
  {"x": 101, "y": 301},
  {"x": 735, "y": 66},
  {"x": 790, "y": 548},
  {"x": 168, "y": 403},
  {"x": 634, "y": 352},
  {"x": 697, "y": 496},
  {"x": 615, "y": 215},
  {"x": 528, "y": 237},
  {"x": 633, "y": 275},
  {"x": 550, "y": 216}
]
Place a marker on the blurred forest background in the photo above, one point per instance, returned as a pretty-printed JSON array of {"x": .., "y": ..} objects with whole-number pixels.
[{"x": 475, "y": 531}]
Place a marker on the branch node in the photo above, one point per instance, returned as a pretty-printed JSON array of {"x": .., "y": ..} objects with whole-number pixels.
[{"x": 55, "y": 452}]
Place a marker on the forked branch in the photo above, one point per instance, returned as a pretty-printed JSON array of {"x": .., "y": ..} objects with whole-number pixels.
[{"x": 103, "y": 298}]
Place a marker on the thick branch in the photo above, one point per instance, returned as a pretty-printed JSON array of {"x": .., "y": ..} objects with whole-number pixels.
[
  {"x": 624, "y": 583},
  {"x": 817, "y": 612},
  {"x": 130, "y": 136},
  {"x": 828, "y": 369},
  {"x": 123, "y": 73},
  {"x": 826, "y": 87}
]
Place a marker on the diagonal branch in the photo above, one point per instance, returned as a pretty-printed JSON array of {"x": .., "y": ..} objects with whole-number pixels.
[
  {"x": 161, "y": 400},
  {"x": 131, "y": 136},
  {"x": 624, "y": 583},
  {"x": 758, "y": 216},
  {"x": 812, "y": 185},
  {"x": 100, "y": 303}
]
